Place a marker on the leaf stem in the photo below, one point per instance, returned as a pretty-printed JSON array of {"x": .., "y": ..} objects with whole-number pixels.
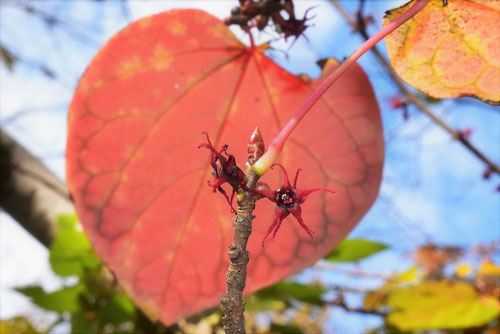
[
  {"x": 409, "y": 96},
  {"x": 274, "y": 149}
]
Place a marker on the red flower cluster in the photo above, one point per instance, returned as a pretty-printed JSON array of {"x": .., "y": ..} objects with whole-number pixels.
[
  {"x": 225, "y": 170},
  {"x": 288, "y": 200},
  {"x": 252, "y": 13}
]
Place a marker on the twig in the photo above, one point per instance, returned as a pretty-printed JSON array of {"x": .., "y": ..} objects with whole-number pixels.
[
  {"x": 339, "y": 301},
  {"x": 236, "y": 275},
  {"x": 326, "y": 265},
  {"x": 359, "y": 26}
]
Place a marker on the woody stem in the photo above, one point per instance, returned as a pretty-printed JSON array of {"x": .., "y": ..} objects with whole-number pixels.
[{"x": 236, "y": 275}]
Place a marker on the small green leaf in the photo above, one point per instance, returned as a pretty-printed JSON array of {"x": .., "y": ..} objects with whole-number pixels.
[
  {"x": 285, "y": 329},
  {"x": 63, "y": 300},
  {"x": 306, "y": 293},
  {"x": 83, "y": 322},
  {"x": 352, "y": 250},
  {"x": 71, "y": 253},
  {"x": 254, "y": 303},
  {"x": 441, "y": 305},
  {"x": 117, "y": 309}
]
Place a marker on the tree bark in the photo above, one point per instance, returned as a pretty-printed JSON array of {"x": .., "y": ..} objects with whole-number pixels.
[{"x": 29, "y": 192}]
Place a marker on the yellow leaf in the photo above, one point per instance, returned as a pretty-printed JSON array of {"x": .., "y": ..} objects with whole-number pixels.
[
  {"x": 377, "y": 298},
  {"x": 463, "y": 269},
  {"x": 489, "y": 268},
  {"x": 440, "y": 305},
  {"x": 410, "y": 276},
  {"x": 449, "y": 51}
]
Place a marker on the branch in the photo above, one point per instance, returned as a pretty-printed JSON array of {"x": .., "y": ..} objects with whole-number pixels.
[
  {"x": 359, "y": 26},
  {"x": 236, "y": 275},
  {"x": 327, "y": 265},
  {"x": 339, "y": 301},
  {"x": 29, "y": 192}
]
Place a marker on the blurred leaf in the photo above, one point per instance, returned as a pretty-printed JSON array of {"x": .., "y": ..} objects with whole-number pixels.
[
  {"x": 71, "y": 253},
  {"x": 410, "y": 276},
  {"x": 83, "y": 322},
  {"x": 432, "y": 100},
  {"x": 376, "y": 299},
  {"x": 489, "y": 268},
  {"x": 63, "y": 300},
  {"x": 351, "y": 250},
  {"x": 441, "y": 305},
  {"x": 306, "y": 293},
  {"x": 285, "y": 329},
  {"x": 254, "y": 303},
  {"x": 433, "y": 258},
  {"x": 117, "y": 309},
  {"x": 17, "y": 325},
  {"x": 463, "y": 269},
  {"x": 8, "y": 58},
  {"x": 487, "y": 280}
]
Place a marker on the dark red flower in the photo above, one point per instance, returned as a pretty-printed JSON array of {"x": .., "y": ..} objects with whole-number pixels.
[
  {"x": 398, "y": 102},
  {"x": 288, "y": 200},
  {"x": 463, "y": 134},
  {"x": 225, "y": 170},
  {"x": 257, "y": 13},
  {"x": 291, "y": 26}
]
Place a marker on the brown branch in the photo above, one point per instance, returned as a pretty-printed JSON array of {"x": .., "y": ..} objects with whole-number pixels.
[
  {"x": 359, "y": 26},
  {"x": 236, "y": 275},
  {"x": 29, "y": 192},
  {"x": 340, "y": 302}
]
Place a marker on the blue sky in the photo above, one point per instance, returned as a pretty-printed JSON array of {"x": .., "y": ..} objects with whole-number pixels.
[{"x": 432, "y": 188}]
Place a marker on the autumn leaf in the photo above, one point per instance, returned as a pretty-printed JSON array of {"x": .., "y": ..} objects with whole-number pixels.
[
  {"x": 139, "y": 182},
  {"x": 449, "y": 51},
  {"x": 440, "y": 305}
]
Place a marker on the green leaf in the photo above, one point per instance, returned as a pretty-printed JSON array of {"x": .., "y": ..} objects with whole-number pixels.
[
  {"x": 71, "y": 253},
  {"x": 82, "y": 322},
  {"x": 352, "y": 250},
  {"x": 306, "y": 293},
  {"x": 63, "y": 300},
  {"x": 17, "y": 325},
  {"x": 118, "y": 309},
  {"x": 285, "y": 329},
  {"x": 255, "y": 303},
  {"x": 441, "y": 305}
]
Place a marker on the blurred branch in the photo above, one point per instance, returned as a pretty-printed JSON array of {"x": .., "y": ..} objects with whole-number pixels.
[
  {"x": 327, "y": 265},
  {"x": 29, "y": 111},
  {"x": 358, "y": 24},
  {"x": 340, "y": 302},
  {"x": 7, "y": 57},
  {"x": 51, "y": 21},
  {"x": 29, "y": 192}
]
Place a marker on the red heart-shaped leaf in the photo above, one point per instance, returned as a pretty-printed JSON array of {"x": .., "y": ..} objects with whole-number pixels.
[{"x": 139, "y": 181}]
